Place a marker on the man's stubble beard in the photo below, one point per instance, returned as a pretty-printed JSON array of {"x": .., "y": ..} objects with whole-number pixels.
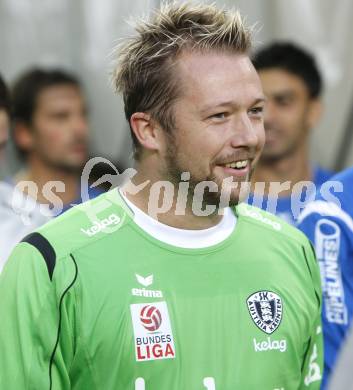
[
  {"x": 60, "y": 165},
  {"x": 272, "y": 158},
  {"x": 173, "y": 172}
]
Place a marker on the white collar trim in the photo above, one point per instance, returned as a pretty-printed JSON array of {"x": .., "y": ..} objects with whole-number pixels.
[{"x": 182, "y": 237}]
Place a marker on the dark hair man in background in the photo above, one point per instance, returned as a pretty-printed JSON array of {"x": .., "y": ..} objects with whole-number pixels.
[
  {"x": 4, "y": 114},
  {"x": 292, "y": 84},
  {"x": 5, "y": 109},
  {"x": 51, "y": 129},
  {"x": 50, "y": 132}
]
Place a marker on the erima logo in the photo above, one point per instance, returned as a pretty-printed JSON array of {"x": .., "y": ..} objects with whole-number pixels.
[
  {"x": 147, "y": 281},
  {"x": 270, "y": 345},
  {"x": 98, "y": 226},
  {"x": 142, "y": 292}
]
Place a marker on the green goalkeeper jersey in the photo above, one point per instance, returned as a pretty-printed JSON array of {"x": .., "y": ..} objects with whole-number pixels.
[{"x": 91, "y": 301}]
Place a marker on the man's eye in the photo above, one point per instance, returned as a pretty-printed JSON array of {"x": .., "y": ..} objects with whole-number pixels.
[
  {"x": 257, "y": 111},
  {"x": 284, "y": 101},
  {"x": 60, "y": 116},
  {"x": 219, "y": 115}
]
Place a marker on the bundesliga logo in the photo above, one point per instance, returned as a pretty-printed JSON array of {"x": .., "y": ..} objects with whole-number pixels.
[
  {"x": 265, "y": 308},
  {"x": 151, "y": 318},
  {"x": 152, "y": 331}
]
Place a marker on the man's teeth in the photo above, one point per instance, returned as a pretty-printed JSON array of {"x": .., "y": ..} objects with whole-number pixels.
[{"x": 237, "y": 164}]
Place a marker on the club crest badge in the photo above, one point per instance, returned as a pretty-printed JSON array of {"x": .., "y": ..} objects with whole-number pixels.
[{"x": 266, "y": 309}]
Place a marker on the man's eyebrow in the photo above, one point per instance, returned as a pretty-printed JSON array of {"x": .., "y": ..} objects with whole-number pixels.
[
  {"x": 282, "y": 94},
  {"x": 261, "y": 99},
  {"x": 231, "y": 103}
]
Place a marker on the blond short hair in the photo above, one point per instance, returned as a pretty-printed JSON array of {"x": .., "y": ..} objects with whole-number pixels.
[{"x": 144, "y": 73}]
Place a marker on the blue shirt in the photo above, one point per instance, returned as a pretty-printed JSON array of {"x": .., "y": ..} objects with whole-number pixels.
[
  {"x": 289, "y": 207},
  {"x": 328, "y": 223}
]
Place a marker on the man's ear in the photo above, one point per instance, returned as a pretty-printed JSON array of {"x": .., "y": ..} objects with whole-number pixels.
[
  {"x": 315, "y": 112},
  {"x": 146, "y": 130},
  {"x": 23, "y": 136}
]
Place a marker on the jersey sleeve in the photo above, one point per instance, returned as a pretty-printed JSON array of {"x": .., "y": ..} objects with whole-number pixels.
[
  {"x": 313, "y": 357},
  {"x": 33, "y": 315},
  {"x": 329, "y": 232},
  {"x": 313, "y": 361}
]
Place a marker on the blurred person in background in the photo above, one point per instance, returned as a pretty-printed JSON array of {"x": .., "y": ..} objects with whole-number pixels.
[
  {"x": 329, "y": 225},
  {"x": 4, "y": 134},
  {"x": 50, "y": 132},
  {"x": 292, "y": 84},
  {"x": 4, "y": 114}
]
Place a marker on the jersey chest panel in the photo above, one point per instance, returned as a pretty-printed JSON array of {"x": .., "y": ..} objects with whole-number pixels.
[{"x": 168, "y": 320}]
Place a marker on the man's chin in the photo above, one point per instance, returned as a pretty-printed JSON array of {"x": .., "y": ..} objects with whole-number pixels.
[
  {"x": 231, "y": 197},
  {"x": 271, "y": 155},
  {"x": 69, "y": 166}
]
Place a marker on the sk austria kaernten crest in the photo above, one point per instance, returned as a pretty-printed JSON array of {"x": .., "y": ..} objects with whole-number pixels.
[{"x": 266, "y": 309}]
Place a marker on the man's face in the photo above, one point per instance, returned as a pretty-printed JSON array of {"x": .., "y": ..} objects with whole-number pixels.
[
  {"x": 4, "y": 128},
  {"x": 59, "y": 128},
  {"x": 287, "y": 114},
  {"x": 218, "y": 121}
]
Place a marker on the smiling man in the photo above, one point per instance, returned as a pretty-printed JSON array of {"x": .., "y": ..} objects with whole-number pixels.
[{"x": 116, "y": 294}]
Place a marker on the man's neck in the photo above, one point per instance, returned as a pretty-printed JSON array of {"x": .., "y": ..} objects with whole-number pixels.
[
  {"x": 293, "y": 168},
  {"x": 147, "y": 202},
  {"x": 41, "y": 174}
]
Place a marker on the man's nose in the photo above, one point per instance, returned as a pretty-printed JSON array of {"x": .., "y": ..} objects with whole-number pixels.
[
  {"x": 269, "y": 115},
  {"x": 244, "y": 133},
  {"x": 80, "y": 125}
]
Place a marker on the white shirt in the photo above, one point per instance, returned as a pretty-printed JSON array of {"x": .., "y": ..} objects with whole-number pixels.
[
  {"x": 19, "y": 215},
  {"x": 182, "y": 237}
]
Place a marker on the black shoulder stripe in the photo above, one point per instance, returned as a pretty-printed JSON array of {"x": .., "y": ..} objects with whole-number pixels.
[
  {"x": 51, "y": 362},
  {"x": 45, "y": 248},
  {"x": 307, "y": 261},
  {"x": 311, "y": 274}
]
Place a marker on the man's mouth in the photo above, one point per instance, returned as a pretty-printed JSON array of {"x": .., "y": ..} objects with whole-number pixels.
[
  {"x": 240, "y": 164},
  {"x": 239, "y": 168}
]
